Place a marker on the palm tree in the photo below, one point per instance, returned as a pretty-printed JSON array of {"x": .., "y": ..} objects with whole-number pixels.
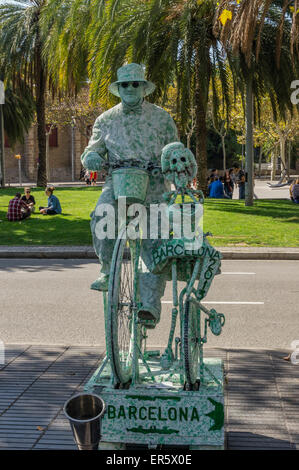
[
  {"x": 248, "y": 38},
  {"x": 16, "y": 116},
  {"x": 18, "y": 112},
  {"x": 21, "y": 43},
  {"x": 64, "y": 24},
  {"x": 174, "y": 39}
]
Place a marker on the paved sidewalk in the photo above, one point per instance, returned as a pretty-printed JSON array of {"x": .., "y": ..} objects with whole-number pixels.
[
  {"x": 262, "y": 408},
  {"x": 87, "y": 252}
]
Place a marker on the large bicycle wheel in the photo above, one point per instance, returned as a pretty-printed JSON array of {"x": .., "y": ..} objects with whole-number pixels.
[
  {"x": 190, "y": 342},
  {"x": 119, "y": 334}
]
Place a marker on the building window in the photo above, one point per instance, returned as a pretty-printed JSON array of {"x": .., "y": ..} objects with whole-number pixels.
[{"x": 53, "y": 137}]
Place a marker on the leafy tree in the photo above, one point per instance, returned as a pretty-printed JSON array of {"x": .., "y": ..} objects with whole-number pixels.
[
  {"x": 18, "y": 111},
  {"x": 65, "y": 25},
  {"x": 21, "y": 45},
  {"x": 26, "y": 56},
  {"x": 248, "y": 30},
  {"x": 174, "y": 39}
]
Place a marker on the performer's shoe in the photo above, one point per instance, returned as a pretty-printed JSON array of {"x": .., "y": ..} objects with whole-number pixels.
[
  {"x": 101, "y": 284},
  {"x": 147, "y": 317}
]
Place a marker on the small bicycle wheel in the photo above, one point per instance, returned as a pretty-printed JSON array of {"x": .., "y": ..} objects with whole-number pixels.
[
  {"x": 119, "y": 335},
  {"x": 190, "y": 342}
]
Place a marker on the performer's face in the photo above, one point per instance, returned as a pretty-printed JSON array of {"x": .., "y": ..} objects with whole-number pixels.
[{"x": 131, "y": 92}]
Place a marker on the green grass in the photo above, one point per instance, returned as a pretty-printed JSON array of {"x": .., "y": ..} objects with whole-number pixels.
[
  {"x": 69, "y": 228},
  {"x": 267, "y": 223}
]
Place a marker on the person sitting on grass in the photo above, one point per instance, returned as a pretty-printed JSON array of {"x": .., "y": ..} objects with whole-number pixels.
[
  {"x": 210, "y": 180},
  {"x": 54, "y": 206},
  {"x": 17, "y": 209},
  {"x": 216, "y": 189},
  {"x": 29, "y": 199},
  {"x": 295, "y": 191}
]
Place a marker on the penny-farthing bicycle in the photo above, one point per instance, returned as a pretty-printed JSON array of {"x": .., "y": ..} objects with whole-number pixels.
[{"x": 125, "y": 333}]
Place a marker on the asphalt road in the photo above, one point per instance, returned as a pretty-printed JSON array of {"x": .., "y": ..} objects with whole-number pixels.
[{"x": 49, "y": 302}]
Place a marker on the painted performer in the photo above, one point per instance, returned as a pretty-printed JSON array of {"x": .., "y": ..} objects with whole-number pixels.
[{"x": 135, "y": 129}]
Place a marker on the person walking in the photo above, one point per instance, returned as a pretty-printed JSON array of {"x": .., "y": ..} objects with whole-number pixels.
[
  {"x": 54, "y": 206},
  {"x": 87, "y": 177},
  {"x": 228, "y": 184},
  {"x": 93, "y": 178},
  {"x": 240, "y": 180},
  {"x": 17, "y": 209}
]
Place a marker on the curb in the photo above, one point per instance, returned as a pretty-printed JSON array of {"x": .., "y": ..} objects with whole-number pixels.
[
  {"x": 87, "y": 252},
  {"x": 48, "y": 252},
  {"x": 275, "y": 255}
]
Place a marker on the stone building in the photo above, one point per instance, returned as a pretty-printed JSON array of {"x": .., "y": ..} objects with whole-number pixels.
[{"x": 62, "y": 142}]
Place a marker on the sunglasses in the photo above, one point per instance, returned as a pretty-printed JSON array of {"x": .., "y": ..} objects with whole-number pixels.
[
  {"x": 126, "y": 84},
  {"x": 27, "y": 192}
]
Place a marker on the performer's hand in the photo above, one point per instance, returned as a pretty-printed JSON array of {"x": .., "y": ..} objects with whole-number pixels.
[{"x": 93, "y": 161}]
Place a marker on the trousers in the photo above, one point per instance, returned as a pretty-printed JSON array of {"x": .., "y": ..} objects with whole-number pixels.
[{"x": 151, "y": 286}]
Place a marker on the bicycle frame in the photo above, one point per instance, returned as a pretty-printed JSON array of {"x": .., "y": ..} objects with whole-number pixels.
[{"x": 203, "y": 270}]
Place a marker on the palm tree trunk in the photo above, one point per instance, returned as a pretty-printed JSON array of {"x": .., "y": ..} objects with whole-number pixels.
[
  {"x": 260, "y": 161},
  {"x": 282, "y": 139},
  {"x": 40, "y": 80},
  {"x": 47, "y": 156},
  {"x": 200, "y": 129},
  {"x": 289, "y": 159},
  {"x": 2, "y": 162},
  {"x": 249, "y": 145},
  {"x": 274, "y": 162},
  {"x": 224, "y": 151}
]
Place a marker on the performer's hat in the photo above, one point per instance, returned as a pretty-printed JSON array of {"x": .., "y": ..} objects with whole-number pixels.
[{"x": 131, "y": 73}]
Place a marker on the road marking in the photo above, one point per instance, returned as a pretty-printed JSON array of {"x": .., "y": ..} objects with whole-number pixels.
[
  {"x": 234, "y": 303},
  {"x": 237, "y": 273},
  {"x": 222, "y": 302}
]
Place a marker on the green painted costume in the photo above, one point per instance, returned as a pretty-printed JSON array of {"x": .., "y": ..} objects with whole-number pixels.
[{"x": 131, "y": 132}]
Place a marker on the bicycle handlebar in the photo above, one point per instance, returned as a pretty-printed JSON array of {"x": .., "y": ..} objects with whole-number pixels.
[{"x": 131, "y": 163}]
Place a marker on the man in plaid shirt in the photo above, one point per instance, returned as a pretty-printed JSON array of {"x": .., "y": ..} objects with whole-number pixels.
[{"x": 17, "y": 209}]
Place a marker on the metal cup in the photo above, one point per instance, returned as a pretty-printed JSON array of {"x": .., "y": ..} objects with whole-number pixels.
[{"x": 84, "y": 412}]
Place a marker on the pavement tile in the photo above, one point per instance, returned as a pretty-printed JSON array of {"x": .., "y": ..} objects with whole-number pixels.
[{"x": 261, "y": 404}]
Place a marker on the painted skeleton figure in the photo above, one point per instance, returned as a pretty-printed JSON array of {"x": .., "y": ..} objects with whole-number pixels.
[
  {"x": 178, "y": 164},
  {"x": 134, "y": 129}
]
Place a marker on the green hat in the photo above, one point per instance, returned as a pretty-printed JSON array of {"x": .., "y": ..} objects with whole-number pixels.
[{"x": 131, "y": 73}]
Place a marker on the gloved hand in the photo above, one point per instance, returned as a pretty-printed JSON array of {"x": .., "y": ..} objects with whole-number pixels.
[{"x": 93, "y": 161}]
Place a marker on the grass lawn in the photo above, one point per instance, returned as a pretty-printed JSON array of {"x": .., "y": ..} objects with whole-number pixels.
[
  {"x": 69, "y": 228},
  {"x": 267, "y": 223}
]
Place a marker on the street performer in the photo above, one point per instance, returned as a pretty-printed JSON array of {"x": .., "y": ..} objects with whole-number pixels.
[{"x": 134, "y": 129}]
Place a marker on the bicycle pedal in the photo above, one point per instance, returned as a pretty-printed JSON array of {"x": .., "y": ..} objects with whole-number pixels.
[{"x": 147, "y": 323}]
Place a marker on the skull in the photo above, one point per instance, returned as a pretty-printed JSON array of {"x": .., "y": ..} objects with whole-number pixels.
[{"x": 178, "y": 164}]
